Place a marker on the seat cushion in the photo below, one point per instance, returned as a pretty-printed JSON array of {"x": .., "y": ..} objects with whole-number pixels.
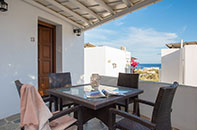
[
  {"x": 62, "y": 122},
  {"x": 127, "y": 124}
]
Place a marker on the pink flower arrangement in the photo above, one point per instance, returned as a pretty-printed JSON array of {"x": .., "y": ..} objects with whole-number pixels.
[{"x": 133, "y": 64}]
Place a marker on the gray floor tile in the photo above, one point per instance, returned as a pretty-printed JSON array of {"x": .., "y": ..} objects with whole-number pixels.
[
  {"x": 13, "y": 123},
  {"x": 17, "y": 121},
  {"x": 13, "y": 117},
  {"x": 9, "y": 126},
  {"x": 2, "y": 122}
]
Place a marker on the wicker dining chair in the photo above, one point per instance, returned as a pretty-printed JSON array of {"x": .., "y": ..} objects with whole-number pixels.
[
  {"x": 58, "y": 114},
  {"x": 59, "y": 80},
  {"x": 45, "y": 99},
  {"x": 161, "y": 117},
  {"x": 131, "y": 81}
]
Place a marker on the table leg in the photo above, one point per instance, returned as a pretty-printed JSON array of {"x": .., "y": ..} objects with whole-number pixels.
[
  {"x": 56, "y": 103},
  {"x": 126, "y": 105},
  {"x": 50, "y": 103},
  {"x": 103, "y": 114},
  {"x": 112, "y": 119},
  {"x": 60, "y": 104},
  {"x": 87, "y": 114},
  {"x": 80, "y": 119}
]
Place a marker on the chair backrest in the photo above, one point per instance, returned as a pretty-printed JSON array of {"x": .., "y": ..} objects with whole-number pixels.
[
  {"x": 18, "y": 86},
  {"x": 163, "y": 107},
  {"x": 128, "y": 80},
  {"x": 58, "y": 80}
]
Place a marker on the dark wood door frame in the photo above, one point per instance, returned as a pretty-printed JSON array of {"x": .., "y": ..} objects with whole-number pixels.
[{"x": 44, "y": 24}]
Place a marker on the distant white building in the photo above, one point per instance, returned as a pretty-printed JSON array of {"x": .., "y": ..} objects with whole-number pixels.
[
  {"x": 179, "y": 64},
  {"x": 105, "y": 60}
]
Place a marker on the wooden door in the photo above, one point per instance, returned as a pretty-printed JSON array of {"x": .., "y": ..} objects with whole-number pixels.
[{"x": 46, "y": 55}]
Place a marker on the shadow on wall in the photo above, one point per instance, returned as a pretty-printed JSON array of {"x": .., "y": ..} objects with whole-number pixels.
[
  {"x": 170, "y": 66},
  {"x": 18, "y": 74}
]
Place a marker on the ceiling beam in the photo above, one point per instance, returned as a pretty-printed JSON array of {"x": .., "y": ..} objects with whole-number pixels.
[
  {"x": 128, "y": 3},
  {"x": 58, "y": 5},
  {"x": 115, "y": 2},
  {"x": 108, "y": 3},
  {"x": 92, "y": 6},
  {"x": 81, "y": 6},
  {"x": 122, "y": 13},
  {"x": 35, "y": 4},
  {"x": 105, "y": 6},
  {"x": 64, "y": 2}
]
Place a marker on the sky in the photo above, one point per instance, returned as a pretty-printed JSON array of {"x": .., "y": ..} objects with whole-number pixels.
[{"x": 146, "y": 31}]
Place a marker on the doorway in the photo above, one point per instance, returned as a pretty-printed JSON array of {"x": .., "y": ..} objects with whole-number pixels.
[{"x": 46, "y": 55}]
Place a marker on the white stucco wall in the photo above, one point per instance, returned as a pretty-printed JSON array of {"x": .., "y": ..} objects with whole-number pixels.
[
  {"x": 190, "y": 65},
  {"x": 118, "y": 57},
  {"x": 179, "y": 65},
  {"x": 100, "y": 59},
  {"x": 94, "y": 62},
  {"x": 170, "y": 65},
  {"x": 18, "y": 55}
]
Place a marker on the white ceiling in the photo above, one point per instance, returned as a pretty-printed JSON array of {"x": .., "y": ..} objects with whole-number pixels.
[{"x": 87, "y": 14}]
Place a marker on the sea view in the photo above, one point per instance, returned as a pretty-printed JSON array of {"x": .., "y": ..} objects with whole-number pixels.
[
  {"x": 151, "y": 74},
  {"x": 141, "y": 66}
]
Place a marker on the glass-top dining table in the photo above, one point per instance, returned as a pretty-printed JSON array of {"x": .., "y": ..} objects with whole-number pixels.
[{"x": 94, "y": 107}]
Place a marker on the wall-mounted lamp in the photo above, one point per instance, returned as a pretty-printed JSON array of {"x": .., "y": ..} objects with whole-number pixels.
[
  {"x": 77, "y": 31},
  {"x": 3, "y": 6}
]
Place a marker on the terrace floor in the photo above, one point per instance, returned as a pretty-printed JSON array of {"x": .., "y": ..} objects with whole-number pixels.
[
  {"x": 10, "y": 123},
  {"x": 13, "y": 123}
]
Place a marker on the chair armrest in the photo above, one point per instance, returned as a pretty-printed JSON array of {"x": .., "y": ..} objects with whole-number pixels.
[
  {"x": 48, "y": 99},
  {"x": 133, "y": 117},
  {"x": 144, "y": 102},
  {"x": 64, "y": 112}
]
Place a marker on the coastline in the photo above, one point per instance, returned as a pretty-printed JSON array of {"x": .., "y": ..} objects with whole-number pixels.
[
  {"x": 148, "y": 72},
  {"x": 141, "y": 66}
]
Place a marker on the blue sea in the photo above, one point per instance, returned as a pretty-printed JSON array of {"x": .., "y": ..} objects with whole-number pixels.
[{"x": 141, "y": 66}]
